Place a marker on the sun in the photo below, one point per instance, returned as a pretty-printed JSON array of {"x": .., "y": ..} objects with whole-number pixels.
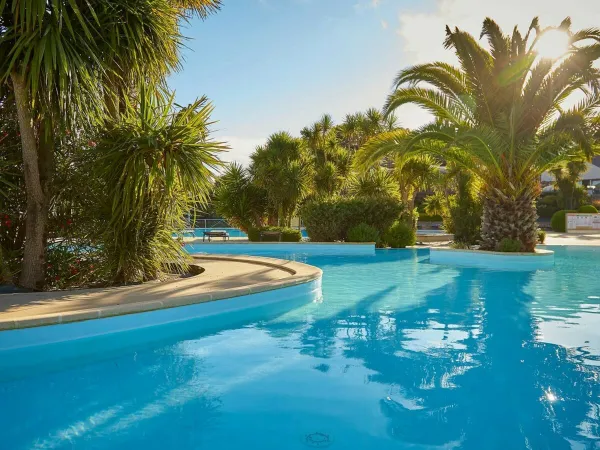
[{"x": 553, "y": 44}]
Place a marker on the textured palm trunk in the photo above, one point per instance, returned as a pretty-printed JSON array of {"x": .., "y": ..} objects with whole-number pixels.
[
  {"x": 509, "y": 217},
  {"x": 34, "y": 254}
]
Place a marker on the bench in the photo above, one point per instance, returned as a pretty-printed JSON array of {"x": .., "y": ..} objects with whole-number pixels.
[
  {"x": 215, "y": 234},
  {"x": 270, "y": 234}
]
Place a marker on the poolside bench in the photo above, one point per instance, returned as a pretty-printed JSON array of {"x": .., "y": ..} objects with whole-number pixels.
[
  {"x": 215, "y": 234},
  {"x": 270, "y": 234}
]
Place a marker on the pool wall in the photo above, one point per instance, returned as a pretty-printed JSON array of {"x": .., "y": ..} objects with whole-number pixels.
[
  {"x": 542, "y": 259},
  {"x": 287, "y": 297}
]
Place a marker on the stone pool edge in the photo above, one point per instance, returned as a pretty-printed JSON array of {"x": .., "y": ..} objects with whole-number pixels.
[{"x": 299, "y": 273}]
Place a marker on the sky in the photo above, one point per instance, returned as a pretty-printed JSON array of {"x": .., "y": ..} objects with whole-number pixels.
[{"x": 279, "y": 65}]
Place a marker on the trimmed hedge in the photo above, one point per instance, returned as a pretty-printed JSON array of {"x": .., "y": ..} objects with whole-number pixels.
[
  {"x": 330, "y": 220},
  {"x": 588, "y": 209},
  {"x": 400, "y": 235},
  {"x": 363, "y": 233},
  {"x": 559, "y": 220},
  {"x": 287, "y": 234}
]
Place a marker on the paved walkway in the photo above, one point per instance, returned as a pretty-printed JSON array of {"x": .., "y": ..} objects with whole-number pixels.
[
  {"x": 225, "y": 276},
  {"x": 572, "y": 239}
]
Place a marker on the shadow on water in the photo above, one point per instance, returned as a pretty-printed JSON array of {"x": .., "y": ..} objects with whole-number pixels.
[{"x": 464, "y": 368}]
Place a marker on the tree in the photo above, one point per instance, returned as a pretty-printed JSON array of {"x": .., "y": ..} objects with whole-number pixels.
[
  {"x": 566, "y": 177},
  {"x": 239, "y": 200},
  {"x": 282, "y": 168},
  {"x": 156, "y": 162},
  {"x": 500, "y": 115},
  {"x": 358, "y": 128},
  {"x": 331, "y": 162},
  {"x": 64, "y": 62},
  {"x": 414, "y": 174},
  {"x": 376, "y": 182}
]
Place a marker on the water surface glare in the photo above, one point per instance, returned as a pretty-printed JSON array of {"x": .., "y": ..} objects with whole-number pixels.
[{"x": 400, "y": 354}]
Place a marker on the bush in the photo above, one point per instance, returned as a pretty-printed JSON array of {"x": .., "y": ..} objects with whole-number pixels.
[
  {"x": 363, "y": 233},
  {"x": 547, "y": 205},
  {"x": 559, "y": 220},
  {"x": 463, "y": 219},
  {"x": 287, "y": 234},
  {"x": 400, "y": 235},
  {"x": 541, "y": 236},
  {"x": 330, "y": 219},
  {"x": 588, "y": 209},
  {"x": 509, "y": 245}
]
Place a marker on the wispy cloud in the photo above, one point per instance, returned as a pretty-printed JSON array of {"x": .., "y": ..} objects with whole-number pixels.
[{"x": 384, "y": 25}]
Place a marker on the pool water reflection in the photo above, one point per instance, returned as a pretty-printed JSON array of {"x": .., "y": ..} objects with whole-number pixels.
[{"x": 400, "y": 354}]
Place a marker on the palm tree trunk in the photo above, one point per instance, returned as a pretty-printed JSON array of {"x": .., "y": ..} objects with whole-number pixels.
[
  {"x": 509, "y": 217},
  {"x": 34, "y": 255}
]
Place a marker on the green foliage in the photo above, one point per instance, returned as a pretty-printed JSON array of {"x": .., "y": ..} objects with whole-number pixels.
[
  {"x": 547, "y": 205},
  {"x": 509, "y": 245},
  {"x": 499, "y": 115},
  {"x": 70, "y": 267},
  {"x": 282, "y": 168},
  {"x": 400, "y": 235},
  {"x": 5, "y": 273},
  {"x": 155, "y": 162},
  {"x": 363, "y": 233},
  {"x": 559, "y": 220},
  {"x": 239, "y": 200},
  {"x": 376, "y": 182},
  {"x": 589, "y": 209},
  {"x": 329, "y": 220},
  {"x": 464, "y": 214},
  {"x": 541, "y": 236},
  {"x": 287, "y": 234}
]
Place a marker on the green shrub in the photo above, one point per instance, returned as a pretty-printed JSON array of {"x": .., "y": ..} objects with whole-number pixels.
[
  {"x": 509, "y": 245},
  {"x": 541, "y": 236},
  {"x": 588, "y": 209},
  {"x": 363, "y": 233},
  {"x": 330, "y": 219},
  {"x": 287, "y": 234},
  {"x": 400, "y": 235},
  {"x": 559, "y": 220}
]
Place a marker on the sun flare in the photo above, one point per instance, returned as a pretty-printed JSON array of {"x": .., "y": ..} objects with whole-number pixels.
[{"x": 553, "y": 44}]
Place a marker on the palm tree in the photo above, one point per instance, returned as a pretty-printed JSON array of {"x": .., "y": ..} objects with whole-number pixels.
[
  {"x": 376, "y": 182},
  {"x": 566, "y": 177},
  {"x": 500, "y": 115},
  {"x": 156, "y": 162},
  {"x": 282, "y": 168},
  {"x": 64, "y": 60},
  {"x": 331, "y": 161},
  {"x": 414, "y": 174},
  {"x": 239, "y": 200}
]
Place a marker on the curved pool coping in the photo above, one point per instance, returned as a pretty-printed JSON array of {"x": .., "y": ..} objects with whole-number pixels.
[
  {"x": 182, "y": 294},
  {"x": 541, "y": 259}
]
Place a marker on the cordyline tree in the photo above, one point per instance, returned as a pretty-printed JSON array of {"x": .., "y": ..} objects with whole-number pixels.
[
  {"x": 68, "y": 63},
  {"x": 500, "y": 115}
]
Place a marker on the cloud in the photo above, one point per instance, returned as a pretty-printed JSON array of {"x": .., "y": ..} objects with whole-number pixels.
[
  {"x": 423, "y": 33},
  {"x": 384, "y": 25},
  {"x": 240, "y": 148}
]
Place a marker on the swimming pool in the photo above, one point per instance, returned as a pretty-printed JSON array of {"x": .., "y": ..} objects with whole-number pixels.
[
  {"x": 399, "y": 354},
  {"x": 233, "y": 232}
]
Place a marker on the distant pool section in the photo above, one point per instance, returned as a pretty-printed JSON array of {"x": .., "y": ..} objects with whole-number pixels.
[
  {"x": 233, "y": 232},
  {"x": 282, "y": 249}
]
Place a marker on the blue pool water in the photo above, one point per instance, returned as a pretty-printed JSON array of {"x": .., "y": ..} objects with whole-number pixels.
[{"x": 400, "y": 354}]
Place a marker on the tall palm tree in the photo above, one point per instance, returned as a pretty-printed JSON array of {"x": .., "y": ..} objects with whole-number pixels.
[
  {"x": 64, "y": 61},
  {"x": 376, "y": 182},
  {"x": 282, "y": 167},
  {"x": 500, "y": 115}
]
